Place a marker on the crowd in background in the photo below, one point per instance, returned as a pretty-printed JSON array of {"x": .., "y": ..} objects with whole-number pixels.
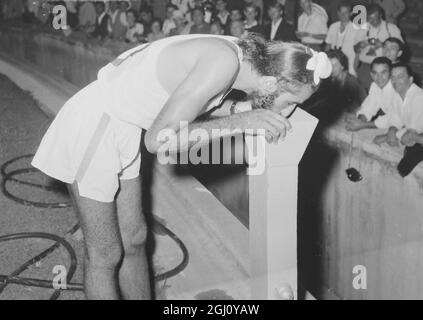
[{"x": 370, "y": 77}]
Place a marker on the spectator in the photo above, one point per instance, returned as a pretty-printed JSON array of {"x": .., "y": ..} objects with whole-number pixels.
[
  {"x": 312, "y": 25},
  {"x": 393, "y": 9},
  {"x": 238, "y": 29},
  {"x": 251, "y": 23},
  {"x": 146, "y": 18},
  {"x": 342, "y": 35},
  {"x": 117, "y": 22},
  {"x": 169, "y": 24},
  {"x": 235, "y": 15},
  {"x": 369, "y": 42},
  {"x": 222, "y": 14},
  {"x": 156, "y": 31},
  {"x": 279, "y": 29},
  {"x": 289, "y": 10},
  {"x": 380, "y": 102},
  {"x": 339, "y": 94},
  {"x": 181, "y": 25},
  {"x": 87, "y": 17},
  {"x": 184, "y": 6},
  {"x": 393, "y": 50},
  {"x": 199, "y": 26},
  {"x": 216, "y": 28},
  {"x": 102, "y": 22},
  {"x": 406, "y": 120},
  {"x": 258, "y": 4},
  {"x": 135, "y": 31}
]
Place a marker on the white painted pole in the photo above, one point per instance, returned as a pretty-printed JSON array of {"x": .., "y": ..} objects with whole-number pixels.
[{"x": 273, "y": 212}]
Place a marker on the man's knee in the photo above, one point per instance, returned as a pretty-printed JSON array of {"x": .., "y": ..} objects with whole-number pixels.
[
  {"x": 107, "y": 257},
  {"x": 134, "y": 242}
]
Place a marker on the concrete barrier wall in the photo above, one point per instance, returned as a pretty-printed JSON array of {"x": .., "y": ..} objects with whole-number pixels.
[{"x": 376, "y": 223}]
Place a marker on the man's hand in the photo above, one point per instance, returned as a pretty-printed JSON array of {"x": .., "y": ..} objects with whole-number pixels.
[
  {"x": 275, "y": 125},
  {"x": 354, "y": 124},
  {"x": 392, "y": 139},
  {"x": 379, "y": 140},
  {"x": 410, "y": 138},
  {"x": 361, "y": 46}
]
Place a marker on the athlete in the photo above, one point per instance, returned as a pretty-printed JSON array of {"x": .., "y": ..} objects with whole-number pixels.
[{"x": 94, "y": 142}]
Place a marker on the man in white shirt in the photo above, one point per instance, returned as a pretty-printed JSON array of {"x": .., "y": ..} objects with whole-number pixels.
[
  {"x": 382, "y": 96},
  {"x": 342, "y": 35},
  {"x": 169, "y": 24},
  {"x": 369, "y": 41},
  {"x": 312, "y": 24},
  {"x": 87, "y": 16},
  {"x": 406, "y": 120}
]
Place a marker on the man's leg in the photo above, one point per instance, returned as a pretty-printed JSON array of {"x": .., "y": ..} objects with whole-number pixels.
[
  {"x": 133, "y": 275},
  {"x": 103, "y": 247}
]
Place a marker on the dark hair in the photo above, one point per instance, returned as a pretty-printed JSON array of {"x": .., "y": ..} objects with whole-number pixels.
[
  {"x": 381, "y": 60},
  {"x": 133, "y": 12},
  {"x": 157, "y": 20},
  {"x": 373, "y": 8},
  {"x": 395, "y": 40},
  {"x": 170, "y": 5},
  {"x": 340, "y": 56},
  {"x": 406, "y": 66},
  {"x": 277, "y": 5},
  {"x": 250, "y": 5},
  {"x": 101, "y": 3},
  {"x": 146, "y": 9},
  {"x": 197, "y": 9},
  {"x": 345, "y": 4}
]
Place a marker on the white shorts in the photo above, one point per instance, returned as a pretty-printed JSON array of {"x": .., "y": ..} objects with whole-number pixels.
[{"x": 87, "y": 145}]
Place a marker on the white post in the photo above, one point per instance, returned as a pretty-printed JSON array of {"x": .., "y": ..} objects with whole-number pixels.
[{"x": 273, "y": 212}]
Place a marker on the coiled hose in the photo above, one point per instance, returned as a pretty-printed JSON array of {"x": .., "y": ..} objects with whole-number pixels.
[{"x": 12, "y": 177}]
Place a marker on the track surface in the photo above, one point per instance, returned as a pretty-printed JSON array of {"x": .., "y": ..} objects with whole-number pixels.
[{"x": 22, "y": 126}]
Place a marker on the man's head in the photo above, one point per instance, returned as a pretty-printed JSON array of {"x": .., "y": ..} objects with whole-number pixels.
[
  {"x": 146, "y": 15},
  {"x": 402, "y": 78},
  {"x": 393, "y": 49},
  {"x": 100, "y": 7},
  {"x": 275, "y": 11},
  {"x": 178, "y": 18},
  {"x": 156, "y": 25},
  {"x": 284, "y": 80},
  {"x": 381, "y": 71},
  {"x": 170, "y": 8},
  {"x": 131, "y": 17},
  {"x": 113, "y": 5},
  {"x": 236, "y": 14},
  {"x": 216, "y": 28},
  {"x": 344, "y": 11},
  {"x": 250, "y": 12},
  {"x": 237, "y": 28},
  {"x": 306, "y": 6},
  {"x": 124, "y": 5},
  {"x": 197, "y": 15},
  {"x": 221, "y": 5},
  {"x": 374, "y": 15},
  {"x": 339, "y": 63}
]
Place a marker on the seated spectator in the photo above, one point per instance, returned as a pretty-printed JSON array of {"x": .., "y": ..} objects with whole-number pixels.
[
  {"x": 279, "y": 29},
  {"x": 101, "y": 30},
  {"x": 156, "y": 31},
  {"x": 135, "y": 30},
  {"x": 251, "y": 24},
  {"x": 238, "y": 29},
  {"x": 369, "y": 42},
  {"x": 199, "y": 26},
  {"x": 117, "y": 22},
  {"x": 222, "y": 14},
  {"x": 87, "y": 17},
  {"x": 216, "y": 28},
  {"x": 146, "y": 18},
  {"x": 339, "y": 94},
  {"x": 312, "y": 25},
  {"x": 406, "y": 122},
  {"x": 342, "y": 35},
  {"x": 235, "y": 15},
  {"x": 393, "y": 50},
  {"x": 380, "y": 102},
  {"x": 393, "y": 9},
  {"x": 181, "y": 25},
  {"x": 169, "y": 24}
]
